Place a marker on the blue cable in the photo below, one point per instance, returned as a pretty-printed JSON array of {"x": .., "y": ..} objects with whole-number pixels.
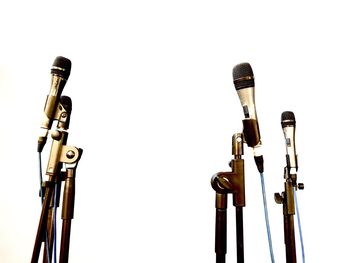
[
  {"x": 299, "y": 226},
  {"x": 267, "y": 217},
  {"x": 42, "y": 201}
]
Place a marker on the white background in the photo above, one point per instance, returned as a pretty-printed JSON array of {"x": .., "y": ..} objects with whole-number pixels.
[{"x": 154, "y": 109}]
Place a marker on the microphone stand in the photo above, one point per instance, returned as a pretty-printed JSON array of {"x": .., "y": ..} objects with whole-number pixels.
[
  {"x": 225, "y": 183},
  {"x": 287, "y": 199},
  {"x": 60, "y": 154}
]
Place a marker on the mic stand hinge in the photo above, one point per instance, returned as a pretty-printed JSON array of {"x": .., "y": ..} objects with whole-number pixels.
[
  {"x": 233, "y": 182},
  {"x": 230, "y": 183}
]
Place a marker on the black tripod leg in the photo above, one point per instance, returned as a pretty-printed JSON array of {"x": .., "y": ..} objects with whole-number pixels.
[
  {"x": 50, "y": 222},
  {"x": 221, "y": 227},
  {"x": 66, "y": 227},
  {"x": 41, "y": 232},
  {"x": 67, "y": 214},
  {"x": 49, "y": 226},
  {"x": 239, "y": 234}
]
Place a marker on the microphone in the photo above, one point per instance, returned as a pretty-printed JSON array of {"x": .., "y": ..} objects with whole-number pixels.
[
  {"x": 60, "y": 72},
  {"x": 243, "y": 79},
  {"x": 288, "y": 126}
]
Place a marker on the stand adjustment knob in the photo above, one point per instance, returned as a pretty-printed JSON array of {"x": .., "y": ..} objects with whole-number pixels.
[
  {"x": 278, "y": 198},
  {"x": 70, "y": 154},
  {"x": 56, "y": 135}
]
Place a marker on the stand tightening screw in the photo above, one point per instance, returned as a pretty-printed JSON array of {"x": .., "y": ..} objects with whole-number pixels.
[
  {"x": 56, "y": 135},
  {"x": 70, "y": 154}
]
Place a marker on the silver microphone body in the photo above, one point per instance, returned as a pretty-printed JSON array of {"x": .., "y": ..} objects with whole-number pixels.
[
  {"x": 52, "y": 100},
  {"x": 247, "y": 98},
  {"x": 288, "y": 126}
]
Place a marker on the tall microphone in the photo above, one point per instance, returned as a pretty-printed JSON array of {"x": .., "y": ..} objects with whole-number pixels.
[
  {"x": 243, "y": 79},
  {"x": 60, "y": 72},
  {"x": 288, "y": 126}
]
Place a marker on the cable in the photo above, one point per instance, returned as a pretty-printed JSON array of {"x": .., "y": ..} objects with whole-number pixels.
[
  {"x": 42, "y": 201},
  {"x": 299, "y": 226},
  {"x": 41, "y": 179},
  {"x": 267, "y": 217}
]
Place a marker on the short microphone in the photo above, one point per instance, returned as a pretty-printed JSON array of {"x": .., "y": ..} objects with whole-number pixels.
[
  {"x": 243, "y": 79},
  {"x": 60, "y": 72},
  {"x": 288, "y": 126}
]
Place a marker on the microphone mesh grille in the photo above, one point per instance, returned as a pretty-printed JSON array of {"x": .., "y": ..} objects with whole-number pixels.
[
  {"x": 288, "y": 115},
  {"x": 61, "y": 66},
  {"x": 243, "y": 76},
  {"x": 287, "y": 119}
]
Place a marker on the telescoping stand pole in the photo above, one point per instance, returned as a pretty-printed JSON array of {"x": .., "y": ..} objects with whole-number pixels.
[
  {"x": 60, "y": 154},
  {"x": 225, "y": 183},
  {"x": 287, "y": 199}
]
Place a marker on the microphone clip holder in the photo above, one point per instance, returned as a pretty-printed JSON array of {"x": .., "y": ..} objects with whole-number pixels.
[
  {"x": 61, "y": 115},
  {"x": 251, "y": 132}
]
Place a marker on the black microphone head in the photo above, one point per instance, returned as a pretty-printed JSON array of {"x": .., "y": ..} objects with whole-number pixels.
[
  {"x": 243, "y": 76},
  {"x": 287, "y": 119},
  {"x": 61, "y": 67}
]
